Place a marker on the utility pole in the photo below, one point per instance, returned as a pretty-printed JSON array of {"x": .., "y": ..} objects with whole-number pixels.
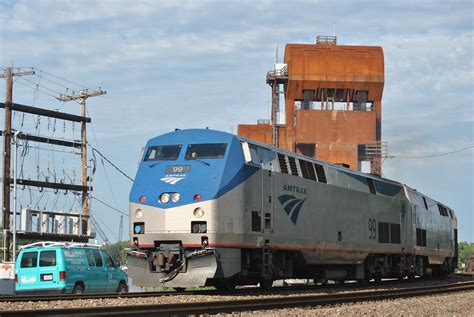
[
  {"x": 120, "y": 229},
  {"x": 82, "y": 96},
  {"x": 8, "y": 75}
]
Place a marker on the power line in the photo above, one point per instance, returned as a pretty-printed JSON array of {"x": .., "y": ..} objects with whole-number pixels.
[
  {"x": 109, "y": 183},
  {"x": 37, "y": 89},
  {"x": 433, "y": 155},
  {"x": 99, "y": 228},
  {"x": 43, "y": 86},
  {"x": 102, "y": 161},
  {"x": 113, "y": 208},
  {"x": 64, "y": 79},
  {"x": 108, "y": 161},
  {"x": 54, "y": 82}
]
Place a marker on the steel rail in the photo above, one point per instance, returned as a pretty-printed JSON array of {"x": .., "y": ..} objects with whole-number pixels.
[
  {"x": 235, "y": 305},
  {"x": 214, "y": 292}
]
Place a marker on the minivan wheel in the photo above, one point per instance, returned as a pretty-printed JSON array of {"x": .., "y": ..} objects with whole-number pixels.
[
  {"x": 78, "y": 290},
  {"x": 122, "y": 288}
]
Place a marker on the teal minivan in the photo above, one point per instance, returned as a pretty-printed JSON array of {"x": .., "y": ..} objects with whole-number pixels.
[{"x": 58, "y": 267}]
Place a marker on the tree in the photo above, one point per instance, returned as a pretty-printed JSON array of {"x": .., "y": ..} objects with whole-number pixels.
[
  {"x": 465, "y": 250},
  {"x": 116, "y": 250}
]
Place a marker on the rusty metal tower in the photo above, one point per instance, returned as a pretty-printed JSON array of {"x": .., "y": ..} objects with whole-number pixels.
[{"x": 332, "y": 103}]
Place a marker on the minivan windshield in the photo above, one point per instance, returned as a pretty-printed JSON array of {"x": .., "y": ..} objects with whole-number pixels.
[
  {"x": 202, "y": 151},
  {"x": 162, "y": 152}
]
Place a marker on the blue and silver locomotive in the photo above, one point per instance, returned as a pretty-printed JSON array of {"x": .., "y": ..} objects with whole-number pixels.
[{"x": 211, "y": 208}]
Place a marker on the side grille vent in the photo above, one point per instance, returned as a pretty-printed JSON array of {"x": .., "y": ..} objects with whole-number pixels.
[{"x": 282, "y": 161}]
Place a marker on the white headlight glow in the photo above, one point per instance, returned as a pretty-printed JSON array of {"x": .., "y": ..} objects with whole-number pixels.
[
  {"x": 175, "y": 197},
  {"x": 164, "y": 198},
  {"x": 138, "y": 213},
  {"x": 198, "y": 212}
]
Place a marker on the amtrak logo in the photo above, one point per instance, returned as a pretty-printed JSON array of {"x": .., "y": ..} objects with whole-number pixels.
[
  {"x": 292, "y": 206},
  {"x": 171, "y": 180}
]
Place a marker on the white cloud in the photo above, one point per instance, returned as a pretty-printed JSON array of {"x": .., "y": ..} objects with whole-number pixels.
[{"x": 44, "y": 14}]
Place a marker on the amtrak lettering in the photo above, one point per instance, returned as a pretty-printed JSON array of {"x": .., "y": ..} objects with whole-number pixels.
[
  {"x": 294, "y": 189},
  {"x": 290, "y": 203}
]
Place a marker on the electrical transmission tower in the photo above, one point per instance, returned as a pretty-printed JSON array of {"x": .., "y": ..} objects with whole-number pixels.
[
  {"x": 7, "y": 136},
  {"x": 82, "y": 97},
  {"x": 51, "y": 224}
]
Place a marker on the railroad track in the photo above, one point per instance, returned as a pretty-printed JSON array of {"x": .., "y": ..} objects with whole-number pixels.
[
  {"x": 242, "y": 291},
  {"x": 236, "y": 305}
]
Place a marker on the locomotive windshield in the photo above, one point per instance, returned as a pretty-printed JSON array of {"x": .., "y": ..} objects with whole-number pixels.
[
  {"x": 162, "y": 152},
  {"x": 201, "y": 151}
]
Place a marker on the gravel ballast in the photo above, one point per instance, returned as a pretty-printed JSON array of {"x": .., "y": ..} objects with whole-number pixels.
[{"x": 455, "y": 303}]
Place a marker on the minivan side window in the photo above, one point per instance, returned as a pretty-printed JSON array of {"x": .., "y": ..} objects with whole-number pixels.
[
  {"x": 29, "y": 259},
  {"x": 90, "y": 257},
  {"x": 98, "y": 258},
  {"x": 48, "y": 258}
]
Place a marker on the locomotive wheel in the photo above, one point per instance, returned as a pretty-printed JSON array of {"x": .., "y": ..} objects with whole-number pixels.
[{"x": 266, "y": 283}]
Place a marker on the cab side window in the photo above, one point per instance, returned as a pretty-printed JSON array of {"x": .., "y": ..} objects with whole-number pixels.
[
  {"x": 254, "y": 155},
  {"x": 98, "y": 258},
  {"x": 90, "y": 257}
]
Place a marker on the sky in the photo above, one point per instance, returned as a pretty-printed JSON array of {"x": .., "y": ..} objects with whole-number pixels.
[{"x": 195, "y": 64}]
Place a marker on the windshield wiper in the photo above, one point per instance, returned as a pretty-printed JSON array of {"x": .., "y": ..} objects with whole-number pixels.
[
  {"x": 154, "y": 164},
  {"x": 203, "y": 162},
  {"x": 195, "y": 158}
]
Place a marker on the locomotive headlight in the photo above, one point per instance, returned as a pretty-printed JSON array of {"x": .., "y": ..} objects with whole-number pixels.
[
  {"x": 198, "y": 212},
  {"x": 164, "y": 198},
  {"x": 138, "y": 213},
  {"x": 175, "y": 197}
]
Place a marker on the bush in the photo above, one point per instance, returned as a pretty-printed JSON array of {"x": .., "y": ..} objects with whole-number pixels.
[
  {"x": 466, "y": 250},
  {"x": 116, "y": 250}
]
